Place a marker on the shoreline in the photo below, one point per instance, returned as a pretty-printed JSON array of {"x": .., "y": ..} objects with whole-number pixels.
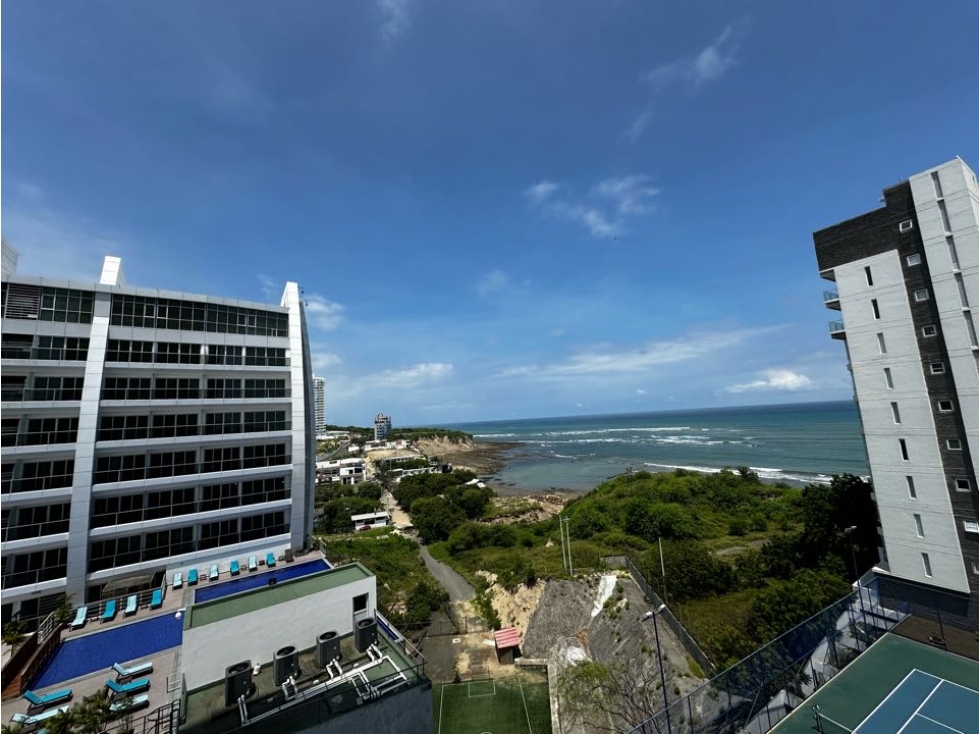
[{"x": 494, "y": 457}]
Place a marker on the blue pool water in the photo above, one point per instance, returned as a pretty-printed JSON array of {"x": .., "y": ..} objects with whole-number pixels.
[
  {"x": 255, "y": 580},
  {"x": 100, "y": 650}
]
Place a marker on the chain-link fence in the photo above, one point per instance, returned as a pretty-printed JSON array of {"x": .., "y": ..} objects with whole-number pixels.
[{"x": 759, "y": 691}]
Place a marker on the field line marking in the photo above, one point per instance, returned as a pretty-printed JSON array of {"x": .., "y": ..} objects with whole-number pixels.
[
  {"x": 920, "y": 706},
  {"x": 525, "y": 709},
  {"x": 893, "y": 690},
  {"x": 824, "y": 716},
  {"x": 441, "y": 701},
  {"x": 945, "y": 726}
]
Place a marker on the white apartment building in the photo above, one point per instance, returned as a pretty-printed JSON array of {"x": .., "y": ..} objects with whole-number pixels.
[
  {"x": 319, "y": 393},
  {"x": 907, "y": 285},
  {"x": 146, "y": 430}
]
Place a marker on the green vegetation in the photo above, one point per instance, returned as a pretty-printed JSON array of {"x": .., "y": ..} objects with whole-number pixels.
[
  {"x": 339, "y": 501},
  {"x": 439, "y": 503},
  {"x": 792, "y": 556},
  {"x": 405, "y": 589},
  {"x": 420, "y": 434}
]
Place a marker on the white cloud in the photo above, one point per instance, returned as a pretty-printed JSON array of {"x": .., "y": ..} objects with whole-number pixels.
[
  {"x": 323, "y": 361},
  {"x": 708, "y": 65},
  {"x": 323, "y": 313},
  {"x": 409, "y": 376},
  {"x": 29, "y": 192},
  {"x": 630, "y": 194},
  {"x": 640, "y": 359},
  {"x": 605, "y": 209},
  {"x": 492, "y": 282},
  {"x": 786, "y": 380},
  {"x": 396, "y": 19},
  {"x": 591, "y": 218},
  {"x": 556, "y": 332},
  {"x": 540, "y": 191},
  {"x": 271, "y": 288},
  {"x": 639, "y": 125},
  {"x": 640, "y": 391}
]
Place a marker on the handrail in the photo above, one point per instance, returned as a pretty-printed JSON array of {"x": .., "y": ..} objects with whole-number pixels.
[{"x": 836, "y": 327}]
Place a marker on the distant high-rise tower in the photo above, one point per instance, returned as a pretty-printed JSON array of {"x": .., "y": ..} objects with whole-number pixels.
[
  {"x": 382, "y": 426},
  {"x": 907, "y": 278},
  {"x": 319, "y": 393}
]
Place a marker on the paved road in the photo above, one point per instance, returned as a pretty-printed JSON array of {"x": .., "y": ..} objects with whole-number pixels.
[{"x": 456, "y": 586}]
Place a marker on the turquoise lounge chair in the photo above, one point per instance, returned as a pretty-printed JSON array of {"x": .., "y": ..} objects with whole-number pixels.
[
  {"x": 213, "y": 573},
  {"x": 157, "y": 600},
  {"x": 127, "y": 688},
  {"x": 46, "y": 699},
  {"x": 109, "y": 613},
  {"x": 131, "y": 603},
  {"x": 133, "y": 670},
  {"x": 270, "y": 560},
  {"x": 178, "y": 580},
  {"x": 192, "y": 577},
  {"x": 252, "y": 563},
  {"x": 235, "y": 569},
  {"x": 129, "y": 704},
  {"x": 81, "y": 614},
  {"x": 25, "y": 720}
]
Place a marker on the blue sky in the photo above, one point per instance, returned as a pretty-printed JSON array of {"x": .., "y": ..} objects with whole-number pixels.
[{"x": 496, "y": 209}]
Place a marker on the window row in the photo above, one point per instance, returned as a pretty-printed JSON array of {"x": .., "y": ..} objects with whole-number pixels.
[
  {"x": 38, "y": 431},
  {"x": 189, "y": 388},
  {"x": 109, "y": 469},
  {"x": 34, "y": 522},
  {"x": 166, "y": 313},
  {"x": 32, "y": 476},
  {"x": 32, "y": 568},
  {"x": 119, "y": 510},
  {"x": 26, "y": 346},
  {"x": 115, "y": 552},
  {"x": 16, "y": 388},
  {"x": 121, "y": 350},
  {"x": 42, "y": 303}
]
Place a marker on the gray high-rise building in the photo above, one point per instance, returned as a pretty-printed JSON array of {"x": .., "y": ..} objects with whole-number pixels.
[
  {"x": 319, "y": 393},
  {"x": 907, "y": 284},
  {"x": 146, "y": 430}
]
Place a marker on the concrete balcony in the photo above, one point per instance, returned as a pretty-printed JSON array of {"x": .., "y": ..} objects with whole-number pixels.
[
  {"x": 832, "y": 300},
  {"x": 837, "y": 330}
]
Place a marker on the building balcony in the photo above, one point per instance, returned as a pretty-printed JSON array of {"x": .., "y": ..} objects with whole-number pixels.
[
  {"x": 837, "y": 330},
  {"x": 832, "y": 300}
]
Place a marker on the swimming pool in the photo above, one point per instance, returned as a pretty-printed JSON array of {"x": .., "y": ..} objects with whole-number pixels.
[
  {"x": 98, "y": 651},
  {"x": 255, "y": 580}
]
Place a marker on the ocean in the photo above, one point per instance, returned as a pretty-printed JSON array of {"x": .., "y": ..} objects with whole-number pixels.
[{"x": 797, "y": 444}]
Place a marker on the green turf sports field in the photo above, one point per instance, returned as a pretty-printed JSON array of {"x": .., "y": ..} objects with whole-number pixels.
[{"x": 505, "y": 706}]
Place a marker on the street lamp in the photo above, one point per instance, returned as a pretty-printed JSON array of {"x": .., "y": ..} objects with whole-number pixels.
[
  {"x": 856, "y": 573},
  {"x": 659, "y": 655}
]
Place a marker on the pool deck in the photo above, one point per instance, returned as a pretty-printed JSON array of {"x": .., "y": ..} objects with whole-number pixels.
[{"x": 164, "y": 662}]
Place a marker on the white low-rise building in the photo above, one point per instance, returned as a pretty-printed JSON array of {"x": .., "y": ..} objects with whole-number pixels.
[{"x": 341, "y": 471}]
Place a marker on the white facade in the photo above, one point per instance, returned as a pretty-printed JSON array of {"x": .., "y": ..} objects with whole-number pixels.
[
  {"x": 907, "y": 311},
  {"x": 146, "y": 431}
]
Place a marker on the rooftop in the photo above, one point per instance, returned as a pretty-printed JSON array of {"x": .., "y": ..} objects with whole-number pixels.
[
  {"x": 264, "y": 597},
  {"x": 386, "y": 669}
]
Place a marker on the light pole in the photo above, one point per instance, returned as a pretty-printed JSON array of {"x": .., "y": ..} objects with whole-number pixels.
[
  {"x": 659, "y": 656},
  {"x": 856, "y": 573}
]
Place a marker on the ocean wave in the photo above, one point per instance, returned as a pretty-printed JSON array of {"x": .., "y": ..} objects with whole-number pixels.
[
  {"x": 602, "y": 431},
  {"x": 494, "y": 435},
  {"x": 770, "y": 473}
]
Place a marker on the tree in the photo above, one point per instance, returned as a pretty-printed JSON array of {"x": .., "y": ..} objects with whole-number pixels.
[
  {"x": 828, "y": 510},
  {"x": 669, "y": 521},
  {"x": 785, "y": 604},
  {"x": 435, "y": 518},
  {"x": 692, "y": 571},
  {"x": 609, "y": 698},
  {"x": 473, "y": 502}
]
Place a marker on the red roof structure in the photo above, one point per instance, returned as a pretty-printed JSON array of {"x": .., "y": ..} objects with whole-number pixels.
[{"x": 507, "y": 638}]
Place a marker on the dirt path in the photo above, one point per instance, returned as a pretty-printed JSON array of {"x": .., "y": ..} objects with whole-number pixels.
[{"x": 457, "y": 587}]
